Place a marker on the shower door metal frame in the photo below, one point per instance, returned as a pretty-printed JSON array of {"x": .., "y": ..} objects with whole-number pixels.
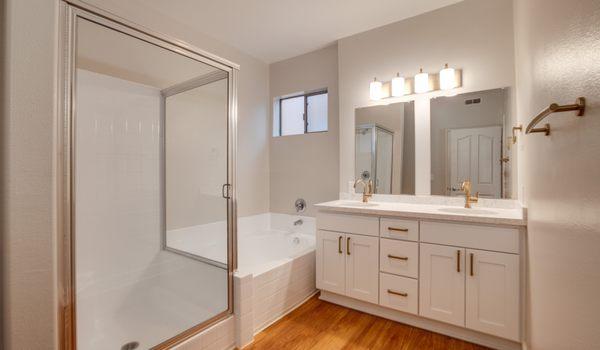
[
  {"x": 70, "y": 12},
  {"x": 164, "y": 94}
]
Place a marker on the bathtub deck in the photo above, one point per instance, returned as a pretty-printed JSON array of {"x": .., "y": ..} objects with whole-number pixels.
[{"x": 321, "y": 325}]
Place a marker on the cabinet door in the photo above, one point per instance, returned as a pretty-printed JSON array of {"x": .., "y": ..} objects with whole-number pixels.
[
  {"x": 362, "y": 267},
  {"x": 493, "y": 293},
  {"x": 442, "y": 283},
  {"x": 331, "y": 261}
]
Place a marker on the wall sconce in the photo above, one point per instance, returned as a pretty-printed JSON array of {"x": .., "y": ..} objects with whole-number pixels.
[
  {"x": 375, "y": 89},
  {"x": 398, "y": 86},
  {"x": 448, "y": 78},
  {"x": 421, "y": 82}
]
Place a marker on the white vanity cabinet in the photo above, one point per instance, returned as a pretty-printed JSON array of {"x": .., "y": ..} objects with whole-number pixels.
[
  {"x": 348, "y": 264},
  {"x": 331, "y": 261},
  {"x": 423, "y": 271},
  {"x": 442, "y": 283},
  {"x": 362, "y": 267},
  {"x": 492, "y": 293}
]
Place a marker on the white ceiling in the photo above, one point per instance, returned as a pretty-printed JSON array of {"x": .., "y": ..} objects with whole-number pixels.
[{"x": 273, "y": 30}]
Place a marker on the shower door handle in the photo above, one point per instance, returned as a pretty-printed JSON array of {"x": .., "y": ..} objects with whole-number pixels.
[{"x": 225, "y": 191}]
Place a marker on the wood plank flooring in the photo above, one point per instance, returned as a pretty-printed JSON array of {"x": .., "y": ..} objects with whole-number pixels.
[{"x": 321, "y": 325}]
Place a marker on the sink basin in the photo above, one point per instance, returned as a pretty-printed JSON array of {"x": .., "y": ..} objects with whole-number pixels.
[
  {"x": 467, "y": 211},
  {"x": 358, "y": 204}
]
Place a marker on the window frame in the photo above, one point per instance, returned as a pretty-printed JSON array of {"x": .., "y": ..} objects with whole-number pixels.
[{"x": 305, "y": 114}]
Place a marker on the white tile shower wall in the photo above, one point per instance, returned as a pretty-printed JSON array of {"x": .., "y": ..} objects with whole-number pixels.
[
  {"x": 121, "y": 268},
  {"x": 279, "y": 290}
]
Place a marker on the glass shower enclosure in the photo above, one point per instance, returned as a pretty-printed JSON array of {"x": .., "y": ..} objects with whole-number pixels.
[{"x": 148, "y": 250}]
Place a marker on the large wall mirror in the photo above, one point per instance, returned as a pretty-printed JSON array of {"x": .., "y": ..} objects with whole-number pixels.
[
  {"x": 466, "y": 135},
  {"x": 384, "y": 147},
  {"x": 467, "y": 143},
  {"x": 151, "y": 181}
]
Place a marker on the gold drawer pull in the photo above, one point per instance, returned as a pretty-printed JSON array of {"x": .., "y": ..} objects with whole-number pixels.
[
  {"x": 397, "y": 229},
  {"x": 398, "y": 257},
  {"x": 402, "y": 294}
]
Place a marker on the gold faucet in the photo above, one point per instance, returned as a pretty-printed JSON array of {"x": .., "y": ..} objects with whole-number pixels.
[
  {"x": 367, "y": 189},
  {"x": 466, "y": 186}
]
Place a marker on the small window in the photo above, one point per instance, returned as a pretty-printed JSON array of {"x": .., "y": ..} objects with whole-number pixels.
[{"x": 300, "y": 114}]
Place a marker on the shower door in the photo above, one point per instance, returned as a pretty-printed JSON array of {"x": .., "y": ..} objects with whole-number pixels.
[{"x": 149, "y": 139}]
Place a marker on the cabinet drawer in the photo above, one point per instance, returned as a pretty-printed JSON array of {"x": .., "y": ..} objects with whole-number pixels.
[
  {"x": 359, "y": 224},
  {"x": 501, "y": 239},
  {"x": 398, "y": 293},
  {"x": 399, "y": 257},
  {"x": 399, "y": 229}
]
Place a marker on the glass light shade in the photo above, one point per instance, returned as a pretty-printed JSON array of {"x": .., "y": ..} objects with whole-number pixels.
[
  {"x": 421, "y": 82},
  {"x": 375, "y": 90},
  {"x": 398, "y": 86},
  {"x": 447, "y": 78}
]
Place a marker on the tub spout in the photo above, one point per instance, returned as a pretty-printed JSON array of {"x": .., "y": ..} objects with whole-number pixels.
[{"x": 298, "y": 222}]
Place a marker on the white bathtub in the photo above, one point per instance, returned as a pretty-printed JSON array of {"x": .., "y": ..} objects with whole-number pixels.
[{"x": 264, "y": 240}]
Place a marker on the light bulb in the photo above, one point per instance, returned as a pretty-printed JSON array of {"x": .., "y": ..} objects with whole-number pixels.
[
  {"x": 375, "y": 89},
  {"x": 398, "y": 85},
  {"x": 447, "y": 78},
  {"x": 421, "y": 82}
]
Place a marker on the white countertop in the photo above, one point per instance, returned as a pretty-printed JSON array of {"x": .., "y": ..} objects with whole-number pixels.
[{"x": 514, "y": 216}]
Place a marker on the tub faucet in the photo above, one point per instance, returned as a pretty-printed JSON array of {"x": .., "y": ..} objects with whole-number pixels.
[
  {"x": 367, "y": 189},
  {"x": 466, "y": 187},
  {"x": 298, "y": 222}
]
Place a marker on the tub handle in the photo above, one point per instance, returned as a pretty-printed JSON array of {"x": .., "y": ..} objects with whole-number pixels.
[
  {"x": 340, "y": 244},
  {"x": 348, "y": 245}
]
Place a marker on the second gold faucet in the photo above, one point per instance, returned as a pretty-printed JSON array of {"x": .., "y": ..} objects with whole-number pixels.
[{"x": 466, "y": 187}]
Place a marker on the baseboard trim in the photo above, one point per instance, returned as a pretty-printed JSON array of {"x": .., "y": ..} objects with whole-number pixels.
[{"x": 421, "y": 322}]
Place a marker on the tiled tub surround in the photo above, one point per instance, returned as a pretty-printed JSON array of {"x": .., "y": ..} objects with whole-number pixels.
[
  {"x": 450, "y": 272},
  {"x": 276, "y": 270}
]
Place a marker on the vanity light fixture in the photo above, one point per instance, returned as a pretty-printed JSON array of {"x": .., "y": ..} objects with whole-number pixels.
[
  {"x": 375, "y": 89},
  {"x": 421, "y": 82},
  {"x": 398, "y": 86},
  {"x": 448, "y": 78}
]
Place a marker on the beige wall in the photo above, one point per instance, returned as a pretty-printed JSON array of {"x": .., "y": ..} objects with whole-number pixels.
[
  {"x": 28, "y": 256},
  {"x": 305, "y": 166},
  {"x": 453, "y": 113},
  {"x": 475, "y": 35},
  {"x": 557, "y": 60}
]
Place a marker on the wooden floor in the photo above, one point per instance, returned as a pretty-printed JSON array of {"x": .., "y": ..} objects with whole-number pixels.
[{"x": 321, "y": 325}]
